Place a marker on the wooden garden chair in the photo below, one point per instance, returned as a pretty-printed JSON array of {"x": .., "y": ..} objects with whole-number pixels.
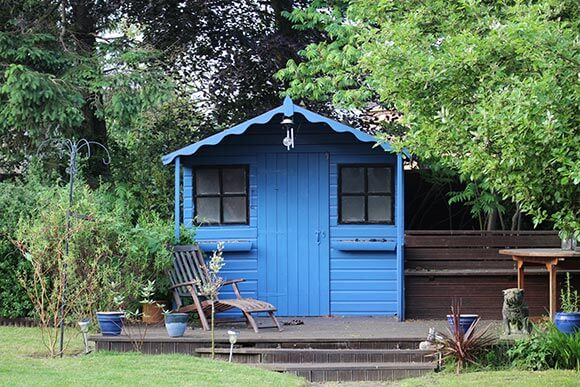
[{"x": 189, "y": 266}]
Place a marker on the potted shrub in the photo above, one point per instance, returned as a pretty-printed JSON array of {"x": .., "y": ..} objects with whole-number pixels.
[
  {"x": 111, "y": 323},
  {"x": 153, "y": 312},
  {"x": 175, "y": 323},
  {"x": 568, "y": 320}
]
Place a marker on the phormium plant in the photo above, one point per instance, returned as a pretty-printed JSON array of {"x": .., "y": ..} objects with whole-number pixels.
[{"x": 464, "y": 347}]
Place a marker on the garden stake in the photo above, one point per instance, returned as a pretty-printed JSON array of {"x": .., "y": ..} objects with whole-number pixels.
[{"x": 71, "y": 148}]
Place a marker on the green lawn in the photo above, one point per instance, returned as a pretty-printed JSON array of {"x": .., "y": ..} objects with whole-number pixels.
[
  {"x": 499, "y": 378},
  {"x": 22, "y": 363}
]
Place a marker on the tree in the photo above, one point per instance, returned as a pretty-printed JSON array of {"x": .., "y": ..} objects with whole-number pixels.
[
  {"x": 225, "y": 52},
  {"x": 488, "y": 89},
  {"x": 71, "y": 68}
]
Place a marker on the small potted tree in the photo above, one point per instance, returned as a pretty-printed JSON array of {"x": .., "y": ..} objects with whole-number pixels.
[
  {"x": 568, "y": 320},
  {"x": 111, "y": 322}
]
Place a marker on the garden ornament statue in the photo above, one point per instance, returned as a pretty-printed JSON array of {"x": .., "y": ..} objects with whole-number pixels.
[
  {"x": 70, "y": 148},
  {"x": 515, "y": 312}
]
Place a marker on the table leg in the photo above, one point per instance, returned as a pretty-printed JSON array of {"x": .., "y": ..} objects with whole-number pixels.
[
  {"x": 553, "y": 288},
  {"x": 520, "y": 274}
]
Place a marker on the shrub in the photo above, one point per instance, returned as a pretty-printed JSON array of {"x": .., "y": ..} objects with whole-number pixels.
[
  {"x": 461, "y": 348},
  {"x": 17, "y": 200},
  {"x": 547, "y": 348},
  {"x": 128, "y": 251}
]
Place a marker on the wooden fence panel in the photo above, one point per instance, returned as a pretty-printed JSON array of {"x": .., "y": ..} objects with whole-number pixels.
[{"x": 442, "y": 265}]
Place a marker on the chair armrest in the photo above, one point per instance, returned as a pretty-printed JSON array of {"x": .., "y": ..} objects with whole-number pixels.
[
  {"x": 182, "y": 284},
  {"x": 231, "y": 282},
  {"x": 234, "y": 284}
]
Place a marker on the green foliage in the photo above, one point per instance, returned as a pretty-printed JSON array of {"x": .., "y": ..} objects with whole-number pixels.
[
  {"x": 47, "y": 89},
  {"x": 463, "y": 348},
  {"x": 547, "y": 348},
  {"x": 17, "y": 200},
  {"x": 110, "y": 243},
  {"x": 142, "y": 179},
  {"x": 487, "y": 89},
  {"x": 569, "y": 298},
  {"x": 481, "y": 201}
]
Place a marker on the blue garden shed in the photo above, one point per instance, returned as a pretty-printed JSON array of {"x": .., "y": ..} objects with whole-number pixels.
[{"x": 311, "y": 212}]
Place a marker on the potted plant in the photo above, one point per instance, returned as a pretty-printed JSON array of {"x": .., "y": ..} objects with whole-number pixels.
[
  {"x": 111, "y": 323},
  {"x": 566, "y": 239},
  {"x": 568, "y": 320},
  {"x": 175, "y": 323}
]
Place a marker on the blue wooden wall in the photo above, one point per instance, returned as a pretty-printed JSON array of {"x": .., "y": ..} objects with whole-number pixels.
[{"x": 352, "y": 282}]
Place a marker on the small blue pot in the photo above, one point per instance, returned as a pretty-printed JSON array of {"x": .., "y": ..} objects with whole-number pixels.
[
  {"x": 465, "y": 322},
  {"x": 176, "y": 324},
  {"x": 568, "y": 323},
  {"x": 111, "y": 323}
]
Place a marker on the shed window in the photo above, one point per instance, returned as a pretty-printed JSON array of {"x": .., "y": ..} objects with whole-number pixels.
[
  {"x": 221, "y": 195},
  {"x": 365, "y": 194}
]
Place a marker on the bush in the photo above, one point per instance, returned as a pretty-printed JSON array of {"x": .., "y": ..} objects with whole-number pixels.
[
  {"x": 547, "y": 348},
  {"x": 104, "y": 239},
  {"x": 132, "y": 241},
  {"x": 17, "y": 200}
]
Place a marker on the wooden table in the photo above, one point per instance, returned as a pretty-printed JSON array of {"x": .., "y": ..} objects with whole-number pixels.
[{"x": 548, "y": 257}]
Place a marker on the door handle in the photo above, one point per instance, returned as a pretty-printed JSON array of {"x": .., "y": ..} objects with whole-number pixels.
[{"x": 319, "y": 235}]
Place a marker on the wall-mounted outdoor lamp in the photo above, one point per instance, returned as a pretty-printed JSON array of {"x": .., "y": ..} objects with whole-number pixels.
[
  {"x": 288, "y": 141},
  {"x": 233, "y": 336}
]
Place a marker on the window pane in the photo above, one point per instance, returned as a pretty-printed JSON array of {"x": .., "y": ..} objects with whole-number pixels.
[
  {"x": 380, "y": 209},
  {"x": 235, "y": 209},
  {"x": 207, "y": 182},
  {"x": 208, "y": 210},
  {"x": 352, "y": 180},
  {"x": 353, "y": 209},
  {"x": 379, "y": 180},
  {"x": 234, "y": 180}
]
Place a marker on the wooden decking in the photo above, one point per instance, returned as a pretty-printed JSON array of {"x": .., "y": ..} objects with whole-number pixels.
[{"x": 322, "y": 349}]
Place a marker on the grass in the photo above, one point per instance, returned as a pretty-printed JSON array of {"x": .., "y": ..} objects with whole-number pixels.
[
  {"x": 560, "y": 378},
  {"x": 23, "y": 361}
]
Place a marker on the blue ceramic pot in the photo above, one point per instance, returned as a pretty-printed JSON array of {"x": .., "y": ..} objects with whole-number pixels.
[
  {"x": 111, "y": 323},
  {"x": 176, "y": 323},
  {"x": 465, "y": 321},
  {"x": 567, "y": 322}
]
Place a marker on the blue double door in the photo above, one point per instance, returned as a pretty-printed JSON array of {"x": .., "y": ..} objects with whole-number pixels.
[{"x": 293, "y": 233}]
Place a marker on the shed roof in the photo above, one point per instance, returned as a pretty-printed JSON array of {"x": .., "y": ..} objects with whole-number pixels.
[{"x": 288, "y": 108}]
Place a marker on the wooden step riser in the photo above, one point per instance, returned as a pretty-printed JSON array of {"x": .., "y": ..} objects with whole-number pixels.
[
  {"x": 324, "y": 357},
  {"x": 358, "y": 375},
  {"x": 344, "y": 345}
]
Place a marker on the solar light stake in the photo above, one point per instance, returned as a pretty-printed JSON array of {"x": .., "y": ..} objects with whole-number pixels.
[
  {"x": 233, "y": 336},
  {"x": 84, "y": 324}
]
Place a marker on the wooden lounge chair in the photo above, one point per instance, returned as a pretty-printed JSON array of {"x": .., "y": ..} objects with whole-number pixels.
[{"x": 188, "y": 266}]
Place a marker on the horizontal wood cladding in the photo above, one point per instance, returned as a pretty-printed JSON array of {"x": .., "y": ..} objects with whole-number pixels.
[{"x": 442, "y": 265}]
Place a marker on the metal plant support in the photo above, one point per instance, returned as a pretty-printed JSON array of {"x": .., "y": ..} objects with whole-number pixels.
[{"x": 71, "y": 148}]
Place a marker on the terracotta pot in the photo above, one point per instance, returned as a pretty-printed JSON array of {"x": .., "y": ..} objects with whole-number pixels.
[{"x": 153, "y": 313}]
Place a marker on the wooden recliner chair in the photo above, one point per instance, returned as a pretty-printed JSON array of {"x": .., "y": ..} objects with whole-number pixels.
[{"x": 189, "y": 266}]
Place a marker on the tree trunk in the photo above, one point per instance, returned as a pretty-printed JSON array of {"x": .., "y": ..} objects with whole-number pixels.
[{"x": 84, "y": 29}]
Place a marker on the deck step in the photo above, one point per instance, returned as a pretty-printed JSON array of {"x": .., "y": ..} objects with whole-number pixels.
[
  {"x": 380, "y": 343},
  {"x": 352, "y": 372},
  {"x": 319, "y": 356}
]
